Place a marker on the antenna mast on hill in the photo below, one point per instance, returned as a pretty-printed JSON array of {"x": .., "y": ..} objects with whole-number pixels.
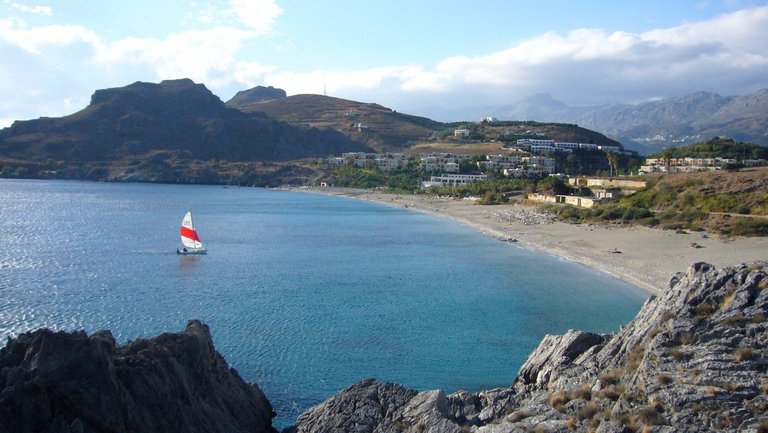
[{"x": 324, "y": 93}]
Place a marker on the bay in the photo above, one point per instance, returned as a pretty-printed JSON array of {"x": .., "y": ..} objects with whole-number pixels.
[{"x": 304, "y": 294}]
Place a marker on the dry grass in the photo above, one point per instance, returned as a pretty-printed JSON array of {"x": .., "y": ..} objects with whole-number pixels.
[
  {"x": 611, "y": 392},
  {"x": 634, "y": 358},
  {"x": 583, "y": 392},
  {"x": 519, "y": 415},
  {"x": 763, "y": 284},
  {"x": 558, "y": 400},
  {"x": 588, "y": 411},
  {"x": 611, "y": 377},
  {"x": 744, "y": 354},
  {"x": 677, "y": 353},
  {"x": 664, "y": 379},
  {"x": 650, "y": 415},
  {"x": 654, "y": 332},
  {"x": 764, "y": 388},
  {"x": 758, "y": 318},
  {"x": 571, "y": 423},
  {"x": 727, "y": 301},
  {"x": 704, "y": 309},
  {"x": 728, "y": 386},
  {"x": 734, "y": 320}
]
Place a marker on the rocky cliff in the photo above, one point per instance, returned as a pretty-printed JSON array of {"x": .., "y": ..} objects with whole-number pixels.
[
  {"x": 694, "y": 359},
  {"x": 73, "y": 382}
]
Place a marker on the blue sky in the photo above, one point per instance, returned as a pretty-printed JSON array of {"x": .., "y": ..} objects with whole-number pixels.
[{"x": 406, "y": 55}]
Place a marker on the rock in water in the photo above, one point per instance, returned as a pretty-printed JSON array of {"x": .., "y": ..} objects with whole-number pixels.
[
  {"x": 72, "y": 382},
  {"x": 694, "y": 359}
]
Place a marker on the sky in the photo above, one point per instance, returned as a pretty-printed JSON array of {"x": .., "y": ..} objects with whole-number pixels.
[{"x": 404, "y": 54}]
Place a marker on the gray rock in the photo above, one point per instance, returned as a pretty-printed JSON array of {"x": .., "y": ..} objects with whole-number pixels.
[{"x": 70, "y": 382}]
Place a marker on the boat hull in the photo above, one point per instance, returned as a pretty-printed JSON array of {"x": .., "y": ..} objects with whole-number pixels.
[{"x": 190, "y": 251}]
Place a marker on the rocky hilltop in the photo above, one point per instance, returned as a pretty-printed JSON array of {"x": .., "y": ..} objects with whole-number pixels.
[
  {"x": 73, "y": 382},
  {"x": 694, "y": 359},
  {"x": 175, "y": 119}
]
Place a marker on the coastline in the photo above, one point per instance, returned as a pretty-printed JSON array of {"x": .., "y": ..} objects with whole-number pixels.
[{"x": 645, "y": 257}]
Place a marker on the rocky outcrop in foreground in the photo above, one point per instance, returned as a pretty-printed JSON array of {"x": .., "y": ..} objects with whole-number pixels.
[
  {"x": 694, "y": 359},
  {"x": 72, "y": 382}
]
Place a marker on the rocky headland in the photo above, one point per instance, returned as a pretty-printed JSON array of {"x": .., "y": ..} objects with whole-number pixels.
[
  {"x": 694, "y": 359},
  {"x": 72, "y": 382}
]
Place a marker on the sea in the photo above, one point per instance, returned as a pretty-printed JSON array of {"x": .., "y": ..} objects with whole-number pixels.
[{"x": 305, "y": 294}]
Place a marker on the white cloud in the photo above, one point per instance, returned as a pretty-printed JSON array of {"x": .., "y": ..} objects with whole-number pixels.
[
  {"x": 41, "y": 10},
  {"x": 727, "y": 54},
  {"x": 15, "y": 32},
  {"x": 582, "y": 66},
  {"x": 258, "y": 15}
]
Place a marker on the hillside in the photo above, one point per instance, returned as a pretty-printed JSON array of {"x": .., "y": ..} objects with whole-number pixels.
[
  {"x": 177, "y": 116},
  {"x": 646, "y": 127},
  {"x": 509, "y": 132},
  {"x": 372, "y": 125},
  {"x": 717, "y": 148},
  {"x": 742, "y": 192}
]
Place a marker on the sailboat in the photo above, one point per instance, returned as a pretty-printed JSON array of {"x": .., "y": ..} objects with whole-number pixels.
[{"x": 189, "y": 238}]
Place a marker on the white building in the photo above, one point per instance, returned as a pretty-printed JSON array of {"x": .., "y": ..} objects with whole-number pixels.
[
  {"x": 382, "y": 161},
  {"x": 462, "y": 132},
  {"x": 493, "y": 162},
  {"x": 442, "y": 162},
  {"x": 562, "y": 145},
  {"x": 528, "y": 142},
  {"x": 606, "y": 149},
  {"x": 546, "y": 164},
  {"x": 452, "y": 180},
  {"x": 691, "y": 165}
]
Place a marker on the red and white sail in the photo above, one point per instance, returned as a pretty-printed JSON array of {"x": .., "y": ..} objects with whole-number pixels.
[{"x": 189, "y": 237}]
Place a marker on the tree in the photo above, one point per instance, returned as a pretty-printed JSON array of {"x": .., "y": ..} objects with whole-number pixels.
[
  {"x": 613, "y": 161},
  {"x": 666, "y": 155}
]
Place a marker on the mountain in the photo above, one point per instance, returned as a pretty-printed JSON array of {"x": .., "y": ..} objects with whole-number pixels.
[
  {"x": 371, "y": 125},
  {"x": 254, "y": 95},
  {"x": 540, "y": 107},
  {"x": 175, "y": 116},
  {"x": 650, "y": 126}
]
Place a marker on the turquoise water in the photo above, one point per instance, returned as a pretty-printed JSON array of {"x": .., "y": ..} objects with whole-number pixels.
[{"x": 305, "y": 294}]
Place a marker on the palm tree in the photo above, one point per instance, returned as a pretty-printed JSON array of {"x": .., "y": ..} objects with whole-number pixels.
[
  {"x": 666, "y": 155},
  {"x": 613, "y": 161}
]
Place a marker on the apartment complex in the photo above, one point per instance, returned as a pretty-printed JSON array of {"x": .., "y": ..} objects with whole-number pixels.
[
  {"x": 692, "y": 165},
  {"x": 537, "y": 145}
]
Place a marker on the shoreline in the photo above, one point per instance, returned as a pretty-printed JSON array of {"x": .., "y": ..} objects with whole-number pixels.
[{"x": 644, "y": 257}]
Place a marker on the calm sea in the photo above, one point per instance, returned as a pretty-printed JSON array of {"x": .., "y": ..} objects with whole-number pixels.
[{"x": 305, "y": 294}]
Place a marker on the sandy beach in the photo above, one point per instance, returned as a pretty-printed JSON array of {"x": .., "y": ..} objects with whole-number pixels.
[{"x": 645, "y": 257}]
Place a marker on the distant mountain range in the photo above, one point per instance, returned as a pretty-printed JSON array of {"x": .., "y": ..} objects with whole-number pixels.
[{"x": 647, "y": 127}]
